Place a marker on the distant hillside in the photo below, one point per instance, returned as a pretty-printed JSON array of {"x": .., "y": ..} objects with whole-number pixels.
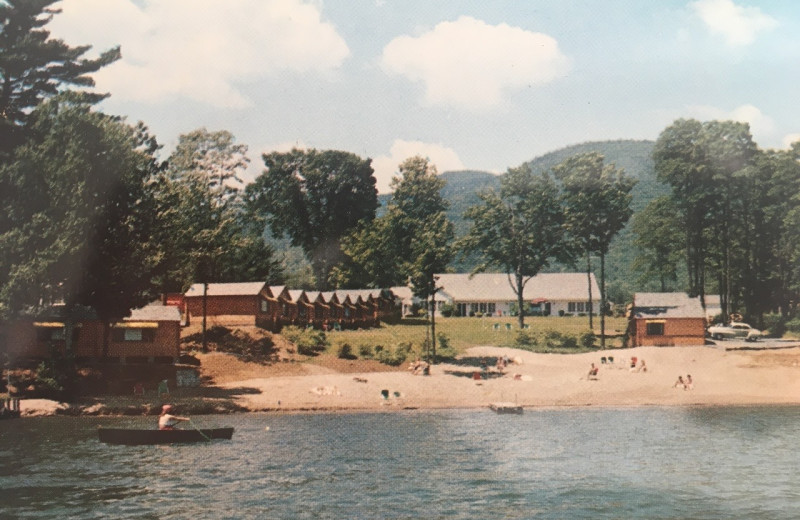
[
  {"x": 462, "y": 188},
  {"x": 634, "y": 157}
]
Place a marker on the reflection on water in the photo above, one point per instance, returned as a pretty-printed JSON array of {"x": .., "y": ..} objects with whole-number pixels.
[{"x": 581, "y": 463}]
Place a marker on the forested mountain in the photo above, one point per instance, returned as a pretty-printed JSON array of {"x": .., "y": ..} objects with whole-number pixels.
[{"x": 632, "y": 156}]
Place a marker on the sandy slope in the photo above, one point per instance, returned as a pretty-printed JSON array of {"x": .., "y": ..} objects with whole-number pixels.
[{"x": 720, "y": 377}]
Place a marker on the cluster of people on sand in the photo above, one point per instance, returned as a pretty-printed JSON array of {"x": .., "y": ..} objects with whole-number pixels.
[
  {"x": 420, "y": 367},
  {"x": 502, "y": 363},
  {"x": 687, "y": 383},
  {"x": 638, "y": 365}
]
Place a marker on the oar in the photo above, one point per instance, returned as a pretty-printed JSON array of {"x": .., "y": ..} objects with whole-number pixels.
[{"x": 206, "y": 437}]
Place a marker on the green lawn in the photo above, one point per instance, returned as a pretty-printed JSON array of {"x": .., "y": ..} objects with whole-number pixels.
[{"x": 463, "y": 333}]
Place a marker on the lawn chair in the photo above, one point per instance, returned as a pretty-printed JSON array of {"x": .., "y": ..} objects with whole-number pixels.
[
  {"x": 603, "y": 360},
  {"x": 508, "y": 327},
  {"x": 496, "y": 326}
]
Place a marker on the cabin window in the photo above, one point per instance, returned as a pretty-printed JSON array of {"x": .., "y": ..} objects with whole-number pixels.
[
  {"x": 264, "y": 306},
  {"x": 490, "y": 308},
  {"x": 121, "y": 335},
  {"x": 655, "y": 328},
  {"x": 55, "y": 333}
]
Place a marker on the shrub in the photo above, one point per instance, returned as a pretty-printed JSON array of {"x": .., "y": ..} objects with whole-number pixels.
[
  {"x": 556, "y": 340},
  {"x": 524, "y": 339},
  {"x": 561, "y": 312},
  {"x": 793, "y": 325},
  {"x": 444, "y": 349},
  {"x": 776, "y": 324},
  {"x": 587, "y": 339},
  {"x": 365, "y": 351},
  {"x": 56, "y": 377},
  {"x": 345, "y": 351},
  {"x": 309, "y": 342},
  {"x": 394, "y": 357},
  {"x": 447, "y": 310}
]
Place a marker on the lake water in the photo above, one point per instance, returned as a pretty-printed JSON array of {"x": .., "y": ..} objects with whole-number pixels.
[{"x": 653, "y": 463}]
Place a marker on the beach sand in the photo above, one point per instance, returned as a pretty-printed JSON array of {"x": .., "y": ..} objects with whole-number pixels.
[
  {"x": 540, "y": 380},
  {"x": 732, "y": 377}
]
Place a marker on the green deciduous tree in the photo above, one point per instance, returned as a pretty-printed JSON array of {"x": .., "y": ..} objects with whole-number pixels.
[
  {"x": 659, "y": 239},
  {"x": 80, "y": 213},
  {"x": 598, "y": 205},
  {"x": 205, "y": 233},
  {"x": 315, "y": 198},
  {"x": 518, "y": 230}
]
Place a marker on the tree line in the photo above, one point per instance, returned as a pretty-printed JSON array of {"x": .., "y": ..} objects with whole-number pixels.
[
  {"x": 732, "y": 219},
  {"x": 94, "y": 217}
]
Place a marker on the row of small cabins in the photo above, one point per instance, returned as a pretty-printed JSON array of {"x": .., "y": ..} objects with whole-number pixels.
[{"x": 152, "y": 333}]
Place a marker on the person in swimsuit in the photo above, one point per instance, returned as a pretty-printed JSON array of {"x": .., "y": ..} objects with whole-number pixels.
[{"x": 167, "y": 421}]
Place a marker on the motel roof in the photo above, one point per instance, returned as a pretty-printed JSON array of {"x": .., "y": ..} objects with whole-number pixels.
[
  {"x": 495, "y": 287},
  {"x": 666, "y": 305},
  {"x": 227, "y": 289}
]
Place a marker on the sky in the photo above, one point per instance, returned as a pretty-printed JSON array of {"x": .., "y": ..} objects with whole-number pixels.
[{"x": 471, "y": 85}]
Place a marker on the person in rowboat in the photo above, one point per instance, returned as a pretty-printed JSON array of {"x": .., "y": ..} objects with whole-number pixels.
[{"x": 167, "y": 421}]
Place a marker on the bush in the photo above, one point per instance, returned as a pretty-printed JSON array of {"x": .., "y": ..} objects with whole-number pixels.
[
  {"x": 345, "y": 351},
  {"x": 309, "y": 342},
  {"x": 556, "y": 340},
  {"x": 56, "y": 377},
  {"x": 793, "y": 325},
  {"x": 775, "y": 324},
  {"x": 365, "y": 351},
  {"x": 444, "y": 349},
  {"x": 524, "y": 339},
  {"x": 447, "y": 310},
  {"x": 587, "y": 339},
  {"x": 394, "y": 357}
]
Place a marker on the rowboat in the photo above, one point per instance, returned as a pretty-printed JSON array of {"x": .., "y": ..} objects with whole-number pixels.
[
  {"x": 506, "y": 408},
  {"x": 132, "y": 437}
]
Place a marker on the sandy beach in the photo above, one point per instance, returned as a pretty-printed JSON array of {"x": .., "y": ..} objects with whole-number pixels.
[
  {"x": 543, "y": 380},
  {"x": 720, "y": 377}
]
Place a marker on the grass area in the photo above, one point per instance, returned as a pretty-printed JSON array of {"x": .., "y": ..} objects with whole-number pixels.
[{"x": 463, "y": 333}]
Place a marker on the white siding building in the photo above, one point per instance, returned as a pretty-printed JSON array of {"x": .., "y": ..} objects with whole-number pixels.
[{"x": 491, "y": 293}]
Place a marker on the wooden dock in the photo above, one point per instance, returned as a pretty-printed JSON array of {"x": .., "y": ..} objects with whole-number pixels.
[{"x": 513, "y": 408}]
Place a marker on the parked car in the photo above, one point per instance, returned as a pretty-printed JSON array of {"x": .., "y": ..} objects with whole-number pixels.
[{"x": 734, "y": 330}]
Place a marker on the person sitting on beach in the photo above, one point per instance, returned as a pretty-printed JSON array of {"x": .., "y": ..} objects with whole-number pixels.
[
  {"x": 633, "y": 363},
  {"x": 642, "y": 367},
  {"x": 593, "y": 372},
  {"x": 167, "y": 421},
  {"x": 679, "y": 382},
  {"x": 689, "y": 383},
  {"x": 500, "y": 365}
]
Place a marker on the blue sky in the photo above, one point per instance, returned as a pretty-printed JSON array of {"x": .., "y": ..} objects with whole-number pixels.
[{"x": 482, "y": 85}]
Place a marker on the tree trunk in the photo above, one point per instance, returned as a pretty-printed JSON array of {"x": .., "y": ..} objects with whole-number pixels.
[
  {"x": 589, "y": 283},
  {"x": 433, "y": 326},
  {"x": 602, "y": 300},
  {"x": 205, "y": 311},
  {"x": 520, "y": 302},
  {"x": 106, "y": 337}
]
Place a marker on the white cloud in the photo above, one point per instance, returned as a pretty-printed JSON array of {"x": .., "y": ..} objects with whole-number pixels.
[
  {"x": 385, "y": 166},
  {"x": 789, "y": 139},
  {"x": 200, "y": 49},
  {"x": 761, "y": 125},
  {"x": 739, "y": 25},
  {"x": 470, "y": 64}
]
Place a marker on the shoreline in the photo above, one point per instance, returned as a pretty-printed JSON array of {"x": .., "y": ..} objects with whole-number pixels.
[{"x": 534, "y": 381}]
